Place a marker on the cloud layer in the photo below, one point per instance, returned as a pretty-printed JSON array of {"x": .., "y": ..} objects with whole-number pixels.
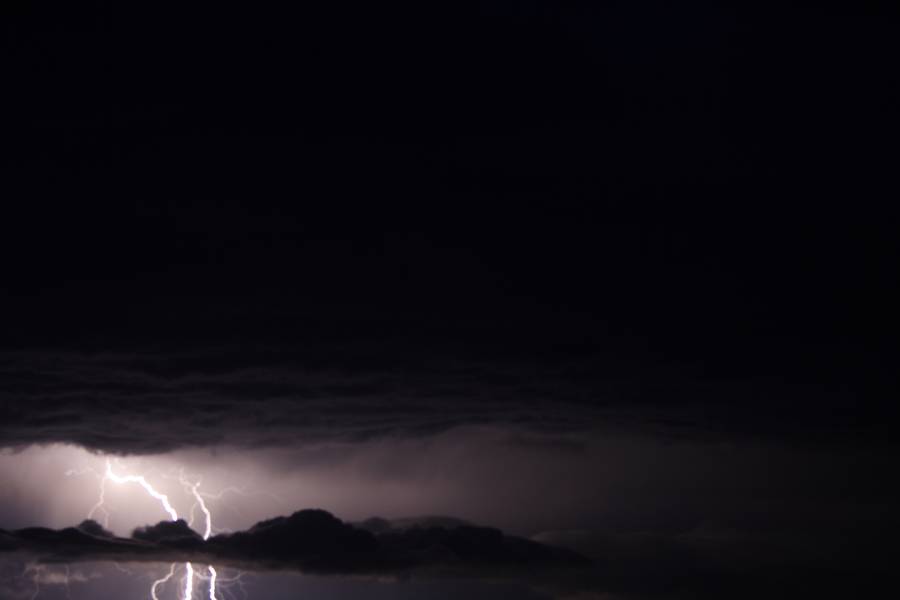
[{"x": 158, "y": 400}]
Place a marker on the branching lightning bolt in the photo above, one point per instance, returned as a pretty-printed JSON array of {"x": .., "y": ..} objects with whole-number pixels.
[
  {"x": 139, "y": 479},
  {"x": 195, "y": 492},
  {"x": 193, "y": 488}
]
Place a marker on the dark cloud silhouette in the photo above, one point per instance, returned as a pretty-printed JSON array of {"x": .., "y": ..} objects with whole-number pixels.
[
  {"x": 703, "y": 563},
  {"x": 308, "y": 540},
  {"x": 93, "y": 528},
  {"x": 716, "y": 563},
  {"x": 169, "y": 533}
]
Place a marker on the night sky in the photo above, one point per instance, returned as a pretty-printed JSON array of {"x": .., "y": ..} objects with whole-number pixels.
[{"x": 618, "y": 280}]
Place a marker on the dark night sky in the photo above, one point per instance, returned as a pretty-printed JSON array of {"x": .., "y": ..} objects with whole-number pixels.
[{"x": 585, "y": 238}]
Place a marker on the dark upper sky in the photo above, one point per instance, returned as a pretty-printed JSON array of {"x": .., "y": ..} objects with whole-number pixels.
[
  {"x": 354, "y": 220},
  {"x": 699, "y": 190}
]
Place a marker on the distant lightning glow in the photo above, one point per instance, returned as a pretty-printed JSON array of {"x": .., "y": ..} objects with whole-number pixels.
[
  {"x": 35, "y": 572},
  {"x": 43, "y": 574}
]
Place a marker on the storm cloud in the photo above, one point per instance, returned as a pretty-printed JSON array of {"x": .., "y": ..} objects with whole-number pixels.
[
  {"x": 157, "y": 400},
  {"x": 522, "y": 279}
]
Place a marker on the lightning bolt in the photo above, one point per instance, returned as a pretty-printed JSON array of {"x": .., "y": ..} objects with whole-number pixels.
[
  {"x": 216, "y": 583},
  {"x": 212, "y": 582},
  {"x": 160, "y": 582},
  {"x": 199, "y": 502},
  {"x": 139, "y": 479},
  {"x": 188, "y": 581},
  {"x": 101, "y": 500},
  {"x": 193, "y": 488}
]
